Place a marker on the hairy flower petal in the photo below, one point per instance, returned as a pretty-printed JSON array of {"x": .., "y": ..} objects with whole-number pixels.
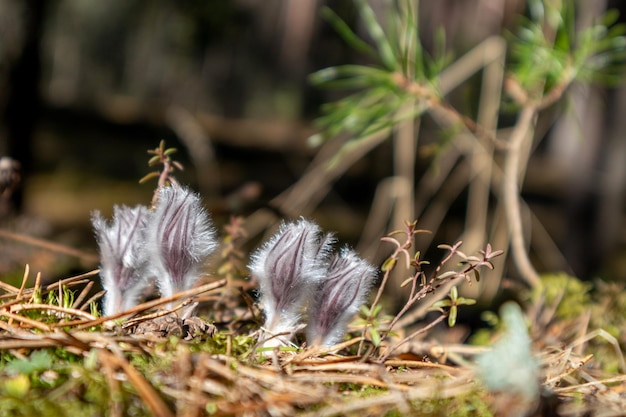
[
  {"x": 289, "y": 267},
  {"x": 122, "y": 265},
  {"x": 339, "y": 298},
  {"x": 180, "y": 237}
]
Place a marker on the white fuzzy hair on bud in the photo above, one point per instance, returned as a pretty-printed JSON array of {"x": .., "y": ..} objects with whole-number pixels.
[
  {"x": 339, "y": 297},
  {"x": 122, "y": 266},
  {"x": 179, "y": 239},
  {"x": 289, "y": 268}
]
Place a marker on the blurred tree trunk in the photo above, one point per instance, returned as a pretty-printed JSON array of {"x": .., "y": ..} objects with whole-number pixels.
[{"x": 24, "y": 102}]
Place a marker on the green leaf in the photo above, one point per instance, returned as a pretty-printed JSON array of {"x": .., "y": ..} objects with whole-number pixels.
[
  {"x": 410, "y": 48},
  {"x": 441, "y": 304},
  {"x": 378, "y": 35},
  {"x": 465, "y": 301},
  {"x": 454, "y": 293},
  {"x": 154, "y": 160},
  {"x": 376, "y": 310},
  {"x": 37, "y": 362},
  {"x": 353, "y": 73},
  {"x": 375, "y": 335},
  {"x": 388, "y": 265},
  {"x": 148, "y": 176},
  {"x": 536, "y": 9},
  {"x": 477, "y": 275},
  {"x": 452, "y": 316},
  {"x": 610, "y": 17},
  {"x": 439, "y": 60},
  {"x": 406, "y": 282},
  {"x": 365, "y": 311},
  {"x": 342, "y": 28}
]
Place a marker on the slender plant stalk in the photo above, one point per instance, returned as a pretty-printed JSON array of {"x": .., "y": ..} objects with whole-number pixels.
[
  {"x": 405, "y": 146},
  {"x": 412, "y": 336},
  {"x": 511, "y": 189}
]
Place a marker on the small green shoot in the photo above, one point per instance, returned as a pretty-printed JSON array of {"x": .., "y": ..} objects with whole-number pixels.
[{"x": 451, "y": 304}]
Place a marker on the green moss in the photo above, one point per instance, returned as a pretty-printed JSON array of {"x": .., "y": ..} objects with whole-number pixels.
[
  {"x": 359, "y": 390},
  {"x": 605, "y": 302},
  {"x": 473, "y": 404},
  {"x": 55, "y": 383},
  {"x": 222, "y": 342},
  {"x": 572, "y": 295}
]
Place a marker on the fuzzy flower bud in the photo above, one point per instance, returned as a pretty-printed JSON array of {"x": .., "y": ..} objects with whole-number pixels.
[
  {"x": 341, "y": 294},
  {"x": 179, "y": 239},
  {"x": 289, "y": 268},
  {"x": 122, "y": 266}
]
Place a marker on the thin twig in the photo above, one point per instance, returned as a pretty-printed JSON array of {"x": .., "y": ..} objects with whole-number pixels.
[
  {"x": 82, "y": 294},
  {"x": 424, "y": 329},
  {"x": 154, "y": 402},
  {"x": 136, "y": 321},
  {"x": 52, "y": 307},
  {"x": 511, "y": 191},
  {"x": 154, "y": 303},
  {"x": 51, "y": 246},
  {"x": 29, "y": 322}
]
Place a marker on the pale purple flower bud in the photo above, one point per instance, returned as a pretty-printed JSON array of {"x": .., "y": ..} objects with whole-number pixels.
[
  {"x": 341, "y": 294},
  {"x": 289, "y": 268},
  {"x": 122, "y": 266},
  {"x": 179, "y": 239}
]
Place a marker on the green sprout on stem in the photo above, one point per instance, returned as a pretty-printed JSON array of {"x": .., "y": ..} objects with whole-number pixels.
[
  {"x": 371, "y": 320},
  {"x": 162, "y": 156},
  {"x": 422, "y": 284},
  {"x": 451, "y": 305}
]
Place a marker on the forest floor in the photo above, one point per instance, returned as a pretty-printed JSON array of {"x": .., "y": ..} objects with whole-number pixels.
[{"x": 58, "y": 357}]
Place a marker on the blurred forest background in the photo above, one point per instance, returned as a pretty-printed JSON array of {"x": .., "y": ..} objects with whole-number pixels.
[{"x": 87, "y": 86}]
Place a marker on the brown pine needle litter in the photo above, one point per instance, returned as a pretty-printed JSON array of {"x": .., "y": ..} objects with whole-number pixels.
[{"x": 223, "y": 374}]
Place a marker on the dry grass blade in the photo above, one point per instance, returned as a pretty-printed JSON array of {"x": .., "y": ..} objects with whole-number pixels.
[
  {"x": 569, "y": 371},
  {"x": 591, "y": 386},
  {"x": 147, "y": 317},
  {"x": 82, "y": 295},
  {"x": 49, "y": 307},
  {"x": 154, "y": 303},
  {"x": 51, "y": 246},
  {"x": 24, "y": 321},
  {"x": 108, "y": 369},
  {"x": 419, "y": 365},
  {"x": 156, "y": 405},
  {"x": 318, "y": 351},
  {"x": 26, "y": 271},
  {"x": 340, "y": 377}
]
